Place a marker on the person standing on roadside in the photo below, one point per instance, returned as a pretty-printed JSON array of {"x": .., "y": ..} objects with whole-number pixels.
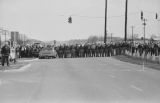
[{"x": 5, "y": 51}]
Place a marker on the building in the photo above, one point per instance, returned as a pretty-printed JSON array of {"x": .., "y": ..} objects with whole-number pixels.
[{"x": 15, "y": 37}]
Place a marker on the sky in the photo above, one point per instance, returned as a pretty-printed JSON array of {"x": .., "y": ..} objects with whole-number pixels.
[{"x": 48, "y": 19}]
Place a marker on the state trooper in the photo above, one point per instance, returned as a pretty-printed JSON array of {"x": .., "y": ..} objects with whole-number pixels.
[
  {"x": 85, "y": 50},
  {"x": 73, "y": 50},
  {"x": 93, "y": 50},
  {"x": 97, "y": 50},
  {"x": 81, "y": 51}
]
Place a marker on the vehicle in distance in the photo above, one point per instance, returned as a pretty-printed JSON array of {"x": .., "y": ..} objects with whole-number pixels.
[{"x": 47, "y": 52}]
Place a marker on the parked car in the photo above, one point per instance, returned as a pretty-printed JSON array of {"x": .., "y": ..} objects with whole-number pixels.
[{"x": 47, "y": 52}]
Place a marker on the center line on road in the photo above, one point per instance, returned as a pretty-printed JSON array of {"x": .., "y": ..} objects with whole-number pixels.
[
  {"x": 136, "y": 88},
  {"x": 112, "y": 76}
]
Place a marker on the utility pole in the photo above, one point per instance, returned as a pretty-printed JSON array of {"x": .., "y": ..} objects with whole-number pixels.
[
  {"x": 132, "y": 32},
  {"x": 24, "y": 39},
  {"x": 105, "y": 26},
  {"x": 111, "y": 36},
  {"x": 0, "y": 38},
  {"x": 126, "y": 15},
  {"x": 144, "y": 24}
]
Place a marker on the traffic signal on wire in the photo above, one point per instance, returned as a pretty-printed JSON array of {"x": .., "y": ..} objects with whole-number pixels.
[
  {"x": 156, "y": 16},
  {"x": 141, "y": 15},
  {"x": 70, "y": 19}
]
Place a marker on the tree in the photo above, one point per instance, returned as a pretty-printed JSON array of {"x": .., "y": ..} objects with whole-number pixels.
[
  {"x": 92, "y": 39},
  {"x": 153, "y": 36}
]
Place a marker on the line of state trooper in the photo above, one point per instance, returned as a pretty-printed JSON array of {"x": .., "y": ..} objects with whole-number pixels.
[{"x": 90, "y": 50}]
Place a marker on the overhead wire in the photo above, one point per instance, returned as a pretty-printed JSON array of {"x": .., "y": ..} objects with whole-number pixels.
[{"x": 117, "y": 16}]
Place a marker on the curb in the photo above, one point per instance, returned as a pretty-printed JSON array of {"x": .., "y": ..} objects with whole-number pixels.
[{"x": 27, "y": 60}]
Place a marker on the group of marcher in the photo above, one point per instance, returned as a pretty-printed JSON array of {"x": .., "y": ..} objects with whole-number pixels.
[
  {"x": 26, "y": 51},
  {"x": 20, "y": 51}
]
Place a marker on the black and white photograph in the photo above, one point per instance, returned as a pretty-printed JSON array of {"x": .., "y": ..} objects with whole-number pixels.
[{"x": 79, "y": 51}]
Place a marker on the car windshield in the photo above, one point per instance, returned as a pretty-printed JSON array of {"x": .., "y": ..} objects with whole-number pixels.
[{"x": 47, "y": 48}]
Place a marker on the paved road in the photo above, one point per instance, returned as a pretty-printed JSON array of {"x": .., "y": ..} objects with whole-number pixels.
[{"x": 89, "y": 80}]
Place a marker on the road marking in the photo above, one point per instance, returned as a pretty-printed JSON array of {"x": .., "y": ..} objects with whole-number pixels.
[
  {"x": 136, "y": 88},
  {"x": 112, "y": 76}
]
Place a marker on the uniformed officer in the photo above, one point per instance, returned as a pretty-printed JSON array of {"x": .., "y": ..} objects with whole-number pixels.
[{"x": 93, "y": 50}]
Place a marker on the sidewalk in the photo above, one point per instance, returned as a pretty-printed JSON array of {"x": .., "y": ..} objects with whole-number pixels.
[
  {"x": 26, "y": 59},
  {"x": 19, "y": 64},
  {"x": 12, "y": 66}
]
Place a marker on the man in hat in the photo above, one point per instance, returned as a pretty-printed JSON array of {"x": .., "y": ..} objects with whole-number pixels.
[{"x": 5, "y": 51}]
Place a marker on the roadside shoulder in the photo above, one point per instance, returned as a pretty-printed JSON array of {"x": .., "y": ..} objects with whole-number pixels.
[
  {"x": 138, "y": 61},
  {"x": 14, "y": 67}
]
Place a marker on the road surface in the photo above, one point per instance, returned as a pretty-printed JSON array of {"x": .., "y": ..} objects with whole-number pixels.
[{"x": 81, "y": 80}]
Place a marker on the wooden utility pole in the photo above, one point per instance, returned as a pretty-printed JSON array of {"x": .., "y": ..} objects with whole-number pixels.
[
  {"x": 111, "y": 36},
  {"x": 105, "y": 26},
  {"x": 132, "y": 32},
  {"x": 126, "y": 15},
  {"x": 1, "y": 38}
]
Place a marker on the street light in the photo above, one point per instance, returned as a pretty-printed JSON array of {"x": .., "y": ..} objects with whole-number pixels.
[{"x": 144, "y": 23}]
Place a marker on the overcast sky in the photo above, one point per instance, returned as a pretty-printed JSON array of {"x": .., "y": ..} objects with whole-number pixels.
[{"x": 47, "y": 19}]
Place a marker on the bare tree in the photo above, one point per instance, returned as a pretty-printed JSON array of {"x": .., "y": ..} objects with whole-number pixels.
[{"x": 92, "y": 39}]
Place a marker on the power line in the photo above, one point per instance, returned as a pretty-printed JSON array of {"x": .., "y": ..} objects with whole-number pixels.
[
  {"x": 100, "y": 17},
  {"x": 150, "y": 12}
]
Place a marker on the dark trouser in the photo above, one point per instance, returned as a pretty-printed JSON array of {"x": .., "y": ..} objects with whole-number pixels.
[{"x": 5, "y": 58}]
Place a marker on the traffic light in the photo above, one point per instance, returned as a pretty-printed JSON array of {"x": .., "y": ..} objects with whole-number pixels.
[
  {"x": 141, "y": 15},
  {"x": 70, "y": 19},
  {"x": 156, "y": 16}
]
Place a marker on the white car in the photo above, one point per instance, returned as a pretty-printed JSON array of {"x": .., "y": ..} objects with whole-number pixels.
[{"x": 47, "y": 52}]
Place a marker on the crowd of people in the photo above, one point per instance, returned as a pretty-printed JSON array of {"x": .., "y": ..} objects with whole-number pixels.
[
  {"x": 151, "y": 48},
  {"x": 26, "y": 51},
  {"x": 86, "y": 50},
  {"x": 102, "y": 50},
  {"x": 9, "y": 53}
]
